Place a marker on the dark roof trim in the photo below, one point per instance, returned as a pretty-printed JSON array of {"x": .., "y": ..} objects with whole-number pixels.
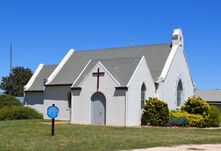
[
  {"x": 214, "y": 102},
  {"x": 76, "y": 88},
  {"x": 34, "y": 91},
  {"x": 121, "y": 88},
  {"x": 58, "y": 84}
]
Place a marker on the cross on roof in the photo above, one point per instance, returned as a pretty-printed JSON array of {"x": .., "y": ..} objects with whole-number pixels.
[{"x": 98, "y": 74}]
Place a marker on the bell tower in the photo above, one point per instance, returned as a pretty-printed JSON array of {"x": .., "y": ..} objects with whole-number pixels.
[{"x": 177, "y": 39}]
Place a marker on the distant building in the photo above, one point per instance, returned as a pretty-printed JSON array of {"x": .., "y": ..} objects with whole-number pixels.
[
  {"x": 20, "y": 98},
  {"x": 213, "y": 97}
]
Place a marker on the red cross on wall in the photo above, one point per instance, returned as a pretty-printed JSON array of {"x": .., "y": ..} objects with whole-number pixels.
[{"x": 98, "y": 74}]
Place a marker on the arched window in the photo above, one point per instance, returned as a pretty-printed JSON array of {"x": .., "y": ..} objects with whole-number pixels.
[
  {"x": 143, "y": 91},
  {"x": 179, "y": 93}
]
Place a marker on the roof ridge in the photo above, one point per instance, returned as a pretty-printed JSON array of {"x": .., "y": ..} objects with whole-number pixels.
[
  {"x": 138, "y": 57},
  {"x": 50, "y": 64},
  {"x": 123, "y": 47}
]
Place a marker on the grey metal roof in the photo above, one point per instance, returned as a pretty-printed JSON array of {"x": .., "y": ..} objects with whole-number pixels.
[
  {"x": 38, "y": 84},
  {"x": 156, "y": 56},
  {"x": 209, "y": 95},
  {"x": 121, "y": 68}
]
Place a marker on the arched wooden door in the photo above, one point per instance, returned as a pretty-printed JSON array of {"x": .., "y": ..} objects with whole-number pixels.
[{"x": 98, "y": 108}]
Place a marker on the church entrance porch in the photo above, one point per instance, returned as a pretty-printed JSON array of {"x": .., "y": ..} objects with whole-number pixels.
[{"x": 98, "y": 108}]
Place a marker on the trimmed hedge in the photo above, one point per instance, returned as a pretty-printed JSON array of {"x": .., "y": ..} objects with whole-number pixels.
[
  {"x": 196, "y": 105},
  {"x": 7, "y": 100},
  {"x": 194, "y": 120},
  {"x": 179, "y": 121},
  {"x": 155, "y": 112},
  {"x": 17, "y": 112}
]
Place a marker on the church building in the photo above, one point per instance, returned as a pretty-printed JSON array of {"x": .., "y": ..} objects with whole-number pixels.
[{"x": 110, "y": 86}]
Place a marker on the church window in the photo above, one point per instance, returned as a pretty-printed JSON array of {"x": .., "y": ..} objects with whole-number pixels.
[
  {"x": 179, "y": 93},
  {"x": 143, "y": 91},
  {"x": 156, "y": 86},
  {"x": 69, "y": 99}
]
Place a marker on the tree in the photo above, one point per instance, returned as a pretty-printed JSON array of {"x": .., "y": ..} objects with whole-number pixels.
[{"x": 15, "y": 82}]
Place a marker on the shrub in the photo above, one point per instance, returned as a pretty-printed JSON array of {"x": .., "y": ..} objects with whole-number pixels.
[
  {"x": 179, "y": 121},
  {"x": 196, "y": 105},
  {"x": 194, "y": 120},
  {"x": 8, "y": 112},
  {"x": 17, "y": 112},
  {"x": 213, "y": 119},
  {"x": 7, "y": 100},
  {"x": 155, "y": 112}
]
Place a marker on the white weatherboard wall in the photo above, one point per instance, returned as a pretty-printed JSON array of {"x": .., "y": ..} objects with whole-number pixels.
[
  {"x": 35, "y": 100},
  {"x": 58, "y": 95},
  {"x": 178, "y": 70},
  {"x": 115, "y": 104},
  {"x": 141, "y": 75}
]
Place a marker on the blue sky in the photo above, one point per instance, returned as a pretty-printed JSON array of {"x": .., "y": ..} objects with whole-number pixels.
[{"x": 42, "y": 31}]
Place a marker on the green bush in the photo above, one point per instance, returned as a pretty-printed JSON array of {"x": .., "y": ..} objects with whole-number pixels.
[
  {"x": 196, "y": 105},
  {"x": 179, "y": 121},
  {"x": 155, "y": 112},
  {"x": 194, "y": 120},
  {"x": 7, "y": 100},
  {"x": 18, "y": 112},
  {"x": 213, "y": 119}
]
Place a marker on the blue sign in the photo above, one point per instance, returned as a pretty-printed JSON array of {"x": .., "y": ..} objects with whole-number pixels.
[{"x": 53, "y": 111}]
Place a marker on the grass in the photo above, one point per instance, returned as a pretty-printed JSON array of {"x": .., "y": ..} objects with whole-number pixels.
[{"x": 31, "y": 135}]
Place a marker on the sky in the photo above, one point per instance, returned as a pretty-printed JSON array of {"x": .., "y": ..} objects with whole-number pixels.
[{"x": 42, "y": 31}]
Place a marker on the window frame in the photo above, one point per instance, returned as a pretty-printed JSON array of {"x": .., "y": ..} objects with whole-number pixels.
[{"x": 179, "y": 93}]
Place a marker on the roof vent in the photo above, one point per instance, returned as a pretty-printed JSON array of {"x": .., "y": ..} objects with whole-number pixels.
[{"x": 45, "y": 81}]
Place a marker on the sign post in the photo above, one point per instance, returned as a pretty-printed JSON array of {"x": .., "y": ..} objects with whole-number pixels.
[
  {"x": 52, "y": 127},
  {"x": 52, "y": 112}
]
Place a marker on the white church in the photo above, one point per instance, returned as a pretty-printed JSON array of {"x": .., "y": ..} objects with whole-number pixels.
[{"x": 109, "y": 86}]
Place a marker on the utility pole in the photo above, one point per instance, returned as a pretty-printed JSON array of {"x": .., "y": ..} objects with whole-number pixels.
[
  {"x": 11, "y": 57},
  {"x": 10, "y": 91}
]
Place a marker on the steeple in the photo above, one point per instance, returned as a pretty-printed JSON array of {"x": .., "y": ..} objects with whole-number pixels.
[{"x": 177, "y": 38}]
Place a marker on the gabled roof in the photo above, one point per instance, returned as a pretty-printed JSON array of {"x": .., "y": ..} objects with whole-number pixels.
[
  {"x": 120, "y": 68},
  {"x": 209, "y": 95},
  {"x": 38, "y": 82},
  {"x": 156, "y": 56}
]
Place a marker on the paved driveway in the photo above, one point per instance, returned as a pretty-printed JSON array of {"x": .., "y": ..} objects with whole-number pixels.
[{"x": 206, "y": 147}]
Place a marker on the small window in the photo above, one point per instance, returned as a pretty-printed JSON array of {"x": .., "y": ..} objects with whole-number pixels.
[{"x": 143, "y": 92}]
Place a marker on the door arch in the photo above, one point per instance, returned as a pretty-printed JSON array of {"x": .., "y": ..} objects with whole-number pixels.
[{"x": 98, "y": 108}]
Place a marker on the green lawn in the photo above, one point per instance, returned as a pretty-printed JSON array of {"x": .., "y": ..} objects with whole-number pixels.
[{"x": 31, "y": 135}]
